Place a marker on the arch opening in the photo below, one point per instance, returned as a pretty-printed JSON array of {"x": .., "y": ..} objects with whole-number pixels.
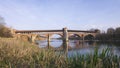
[
  {"x": 41, "y": 37},
  {"x": 89, "y": 37},
  {"x": 25, "y": 38},
  {"x": 56, "y": 40},
  {"x": 56, "y": 36},
  {"x": 75, "y": 37}
]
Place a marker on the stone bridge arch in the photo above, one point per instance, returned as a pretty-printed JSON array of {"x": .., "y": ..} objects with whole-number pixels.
[
  {"x": 59, "y": 34},
  {"x": 82, "y": 35},
  {"x": 75, "y": 36},
  {"x": 45, "y": 35},
  {"x": 89, "y": 36},
  {"x": 27, "y": 37}
]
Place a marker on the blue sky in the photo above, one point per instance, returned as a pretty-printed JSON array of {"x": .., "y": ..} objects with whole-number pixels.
[{"x": 56, "y": 14}]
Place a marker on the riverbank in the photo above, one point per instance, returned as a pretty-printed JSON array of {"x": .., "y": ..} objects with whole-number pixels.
[{"x": 19, "y": 54}]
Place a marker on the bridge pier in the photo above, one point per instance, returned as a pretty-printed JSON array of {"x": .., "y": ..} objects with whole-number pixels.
[
  {"x": 33, "y": 37},
  {"x": 83, "y": 38},
  {"x": 65, "y": 48},
  {"x": 65, "y": 35},
  {"x": 65, "y": 40},
  {"x": 48, "y": 40}
]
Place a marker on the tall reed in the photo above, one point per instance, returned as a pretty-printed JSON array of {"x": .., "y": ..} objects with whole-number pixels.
[{"x": 105, "y": 59}]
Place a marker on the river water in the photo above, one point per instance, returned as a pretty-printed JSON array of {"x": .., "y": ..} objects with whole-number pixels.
[{"x": 77, "y": 46}]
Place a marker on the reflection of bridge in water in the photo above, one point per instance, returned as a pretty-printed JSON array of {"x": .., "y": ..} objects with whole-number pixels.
[
  {"x": 71, "y": 45},
  {"x": 31, "y": 35}
]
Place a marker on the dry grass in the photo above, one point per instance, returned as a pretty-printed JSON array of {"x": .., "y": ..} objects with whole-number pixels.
[{"x": 18, "y": 54}]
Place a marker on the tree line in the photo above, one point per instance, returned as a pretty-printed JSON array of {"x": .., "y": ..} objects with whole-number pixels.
[{"x": 111, "y": 35}]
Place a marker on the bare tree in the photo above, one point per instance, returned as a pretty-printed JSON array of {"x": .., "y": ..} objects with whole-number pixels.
[{"x": 4, "y": 31}]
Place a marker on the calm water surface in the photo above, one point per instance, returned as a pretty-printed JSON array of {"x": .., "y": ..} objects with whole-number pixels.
[{"x": 76, "y": 46}]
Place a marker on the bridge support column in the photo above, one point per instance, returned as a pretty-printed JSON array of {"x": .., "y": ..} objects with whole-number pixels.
[
  {"x": 65, "y": 35},
  {"x": 33, "y": 36},
  {"x": 65, "y": 48},
  {"x": 48, "y": 40},
  {"x": 83, "y": 38},
  {"x": 65, "y": 40}
]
